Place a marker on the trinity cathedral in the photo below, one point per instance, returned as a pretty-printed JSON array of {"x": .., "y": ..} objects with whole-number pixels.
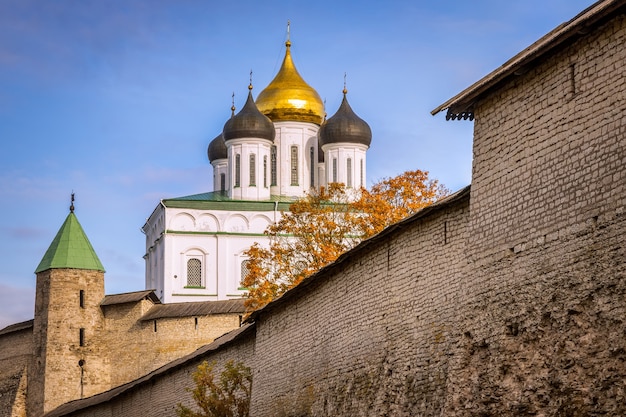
[
  {"x": 82, "y": 342},
  {"x": 271, "y": 152}
]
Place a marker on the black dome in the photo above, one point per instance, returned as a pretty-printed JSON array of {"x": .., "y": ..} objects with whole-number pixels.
[
  {"x": 249, "y": 123},
  {"x": 345, "y": 127},
  {"x": 217, "y": 149}
]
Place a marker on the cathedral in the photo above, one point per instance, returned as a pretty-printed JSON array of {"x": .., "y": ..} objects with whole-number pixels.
[{"x": 274, "y": 150}]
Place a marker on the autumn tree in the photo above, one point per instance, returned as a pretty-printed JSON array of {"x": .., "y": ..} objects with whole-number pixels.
[
  {"x": 316, "y": 230},
  {"x": 326, "y": 223},
  {"x": 228, "y": 396}
]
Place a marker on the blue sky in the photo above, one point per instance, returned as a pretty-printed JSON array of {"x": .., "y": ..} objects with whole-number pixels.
[{"x": 118, "y": 100}]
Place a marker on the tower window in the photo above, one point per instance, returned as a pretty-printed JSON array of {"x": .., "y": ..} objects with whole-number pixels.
[
  {"x": 222, "y": 181},
  {"x": 334, "y": 169},
  {"x": 81, "y": 337},
  {"x": 273, "y": 162},
  {"x": 294, "y": 165},
  {"x": 81, "y": 298},
  {"x": 312, "y": 162},
  {"x": 349, "y": 172},
  {"x": 237, "y": 170},
  {"x": 194, "y": 272},
  {"x": 252, "y": 170},
  {"x": 265, "y": 171}
]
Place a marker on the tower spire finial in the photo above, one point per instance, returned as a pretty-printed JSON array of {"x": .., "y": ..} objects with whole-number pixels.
[
  {"x": 345, "y": 90},
  {"x": 232, "y": 107},
  {"x": 250, "y": 85},
  {"x": 72, "y": 203},
  {"x": 288, "y": 43}
]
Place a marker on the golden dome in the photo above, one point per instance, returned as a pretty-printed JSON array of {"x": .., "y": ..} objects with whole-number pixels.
[{"x": 289, "y": 97}]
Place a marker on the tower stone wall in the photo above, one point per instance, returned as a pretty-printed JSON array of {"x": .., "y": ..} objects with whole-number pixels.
[{"x": 69, "y": 360}]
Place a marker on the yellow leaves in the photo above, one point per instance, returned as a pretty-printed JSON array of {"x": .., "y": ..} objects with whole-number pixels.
[{"x": 327, "y": 223}]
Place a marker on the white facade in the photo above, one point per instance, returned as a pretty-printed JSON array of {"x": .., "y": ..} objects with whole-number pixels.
[{"x": 198, "y": 254}]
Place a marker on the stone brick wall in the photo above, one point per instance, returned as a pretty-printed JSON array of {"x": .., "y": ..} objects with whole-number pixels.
[
  {"x": 373, "y": 337},
  {"x": 549, "y": 147},
  {"x": 159, "y": 394},
  {"x": 143, "y": 346},
  {"x": 15, "y": 354}
]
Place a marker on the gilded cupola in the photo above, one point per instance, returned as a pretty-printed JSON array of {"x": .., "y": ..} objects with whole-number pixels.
[
  {"x": 345, "y": 127},
  {"x": 249, "y": 123},
  {"x": 289, "y": 98}
]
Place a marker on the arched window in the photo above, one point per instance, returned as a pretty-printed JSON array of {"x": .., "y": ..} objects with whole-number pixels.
[
  {"x": 334, "y": 169},
  {"x": 273, "y": 162},
  {"x": 349, "y": 173},
  {"x": 252, "y": 170},
  {"x": 222, "y": 181},
  {"x": 361, "y": 163},
  {"x": 194, "y": 272},
  {"x": 245, "y": 268},
  {"x": 294, "y": 165},
  {"x": 265, "y": 171},
  {"x": 237, "y": 170}
]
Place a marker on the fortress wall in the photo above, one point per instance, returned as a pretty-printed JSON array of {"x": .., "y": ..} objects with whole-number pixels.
[
  {"x": 159, "y": 396},
  {"x": 179, "y": 336},
  {"x": 544, "y": 306},
  {"x": 549, "y": 146},
  {"x": 15, "y": 353},
  {"x": 142, "y": 347},
  {"x": 546, "y": 334},
  {"x": 372, "y": 336}
]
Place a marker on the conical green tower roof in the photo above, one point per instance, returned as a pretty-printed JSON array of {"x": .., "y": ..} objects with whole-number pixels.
[{"x": 70, "y": 249}]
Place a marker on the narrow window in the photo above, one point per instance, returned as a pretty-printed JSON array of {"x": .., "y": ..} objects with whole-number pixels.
[
  {"x": 273, "y": 162},
  {"x": 265, "y": 171},
  {"x": 445, "y": 233},
  {"x": 237, "y": 170},
  {"x": 294, "y": 165},
  {"x": 572, "y": 76},
  {"x": 194, "y": 272},
  {"x": 361, "y": 174},
  {"x": 252, "y": 170},
  {"x": 155, "y": 326},
  {"x": 195, "y": 319},
  {"x": 312, "y": 162},
  {"x": 334, "y": 169},
  {"x": 222, "y": 181},
  {"x": 81, "y": 298},
  {"x": 349, "y": 173},
  {"x": 81, "y": 337}
]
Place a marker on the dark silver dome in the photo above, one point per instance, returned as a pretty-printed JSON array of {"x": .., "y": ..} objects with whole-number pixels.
[
  {"x": 345, "y": 127},
  {"x": 249, "y": 123},
  {"x": 217, "y": 149}
]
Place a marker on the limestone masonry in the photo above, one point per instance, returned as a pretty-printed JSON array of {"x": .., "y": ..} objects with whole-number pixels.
[{"x": 507, "y": 298}]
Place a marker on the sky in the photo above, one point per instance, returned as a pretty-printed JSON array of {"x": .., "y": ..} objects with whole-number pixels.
[{"x": 118, "y": 100}]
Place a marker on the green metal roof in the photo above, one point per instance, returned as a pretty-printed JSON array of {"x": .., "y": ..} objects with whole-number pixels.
[
  {"x": 70, "y": 249},
  {"x": 218, "y": 200}
]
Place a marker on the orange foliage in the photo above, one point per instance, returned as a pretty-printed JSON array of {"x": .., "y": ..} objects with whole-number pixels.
[{"x": 327, "y": 223}]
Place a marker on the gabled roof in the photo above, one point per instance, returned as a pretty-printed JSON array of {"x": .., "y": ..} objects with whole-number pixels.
[
  {"x": 130, "y": 297},
  {"x": 461, "y": 105},
  {"x": 28, "y": 324},
  {"x": 199, "y": 308},
  {"x": 70, "y": 248}
]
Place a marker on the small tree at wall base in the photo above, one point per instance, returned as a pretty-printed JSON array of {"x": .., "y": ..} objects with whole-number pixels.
[
  {"x": 327, "y": 223},
  {"x": 228, "y": 396}
]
